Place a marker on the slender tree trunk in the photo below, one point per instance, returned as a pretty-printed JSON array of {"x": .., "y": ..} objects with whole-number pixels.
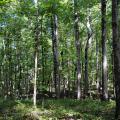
[
  {"x": 36, "y": 56},
  {"x": 63, "y": 78},
  {"x": 89, "y": 32},
  {"x": 55, "y": 54},
  {"x": 116, "y": 53},
  {"x": 77, "y": 43},
  {"x": 35, "y": 78},
  {"x": 43, "y": 66},
  {"x": 10, "y": 71},
  {"x": 28, "y": 81},
  {"x": 19, "y": 69},
  {"x": 42, "y": 51},
  {"x": 113, "y": 77},
  {"x": 7, "y": 76},
  {"x": 68, "y": 78},
  {"x": 97, "y": 68},
  {"x": 104, "y": 52}
]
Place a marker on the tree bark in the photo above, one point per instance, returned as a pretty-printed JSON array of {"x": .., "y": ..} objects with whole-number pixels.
[
  {"x": 77, "y": 43},
  {"x": 36, "y": 56},
  {"x": 97, "y": 67},
  {"x": 104, "y": 52},
  {"x": 89, "y": 32},
  {"x": 55, "y": 54},
  {"x": 116, "y": 53}
]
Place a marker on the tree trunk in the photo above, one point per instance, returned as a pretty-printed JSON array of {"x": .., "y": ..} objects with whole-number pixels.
[
  {"x": 55, "y": 54},
  {"x": 116, "y": 53},
  {"x": 77, "y": 43},
  {"x": 97, "y": 68},
  {"x": 36, "y": 56},
  {"x": 89, "y": 32},
  {"x": 104, "y": 53},
  {"x": 43, "y": 54}
]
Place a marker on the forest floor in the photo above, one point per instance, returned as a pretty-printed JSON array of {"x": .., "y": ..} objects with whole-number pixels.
[{"x": 63, "y": 109}]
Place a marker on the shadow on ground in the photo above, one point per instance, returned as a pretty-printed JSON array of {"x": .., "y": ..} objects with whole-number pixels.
[{"x": 62, "y": 109}]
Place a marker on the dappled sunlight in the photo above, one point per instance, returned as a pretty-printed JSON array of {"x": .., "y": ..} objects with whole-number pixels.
[{"x": 59, "y": 60}]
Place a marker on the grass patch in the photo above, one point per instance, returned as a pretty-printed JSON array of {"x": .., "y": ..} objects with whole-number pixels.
[{"x": 62, "y": 109}]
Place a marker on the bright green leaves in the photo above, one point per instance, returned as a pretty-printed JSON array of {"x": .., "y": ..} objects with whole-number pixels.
[{"x": 3, "y": 2}]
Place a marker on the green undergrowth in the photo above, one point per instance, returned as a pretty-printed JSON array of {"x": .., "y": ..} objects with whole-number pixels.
[{"x": 62, "y": 109}]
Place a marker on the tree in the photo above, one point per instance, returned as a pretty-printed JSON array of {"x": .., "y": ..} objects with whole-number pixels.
[
  {"x": 77, "y": 44},
  {"x": 36, "y": 54},
  {"x": 116, "y": 53},
  {"x": 54, "y": 27},
  {"x": 104, "y": 52},
  {"x": 31, "y": 64},
  {"x": 89, "y": 40}
]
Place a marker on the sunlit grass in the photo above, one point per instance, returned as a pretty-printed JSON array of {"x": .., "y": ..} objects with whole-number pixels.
[{"x": 63, "y": 109}]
